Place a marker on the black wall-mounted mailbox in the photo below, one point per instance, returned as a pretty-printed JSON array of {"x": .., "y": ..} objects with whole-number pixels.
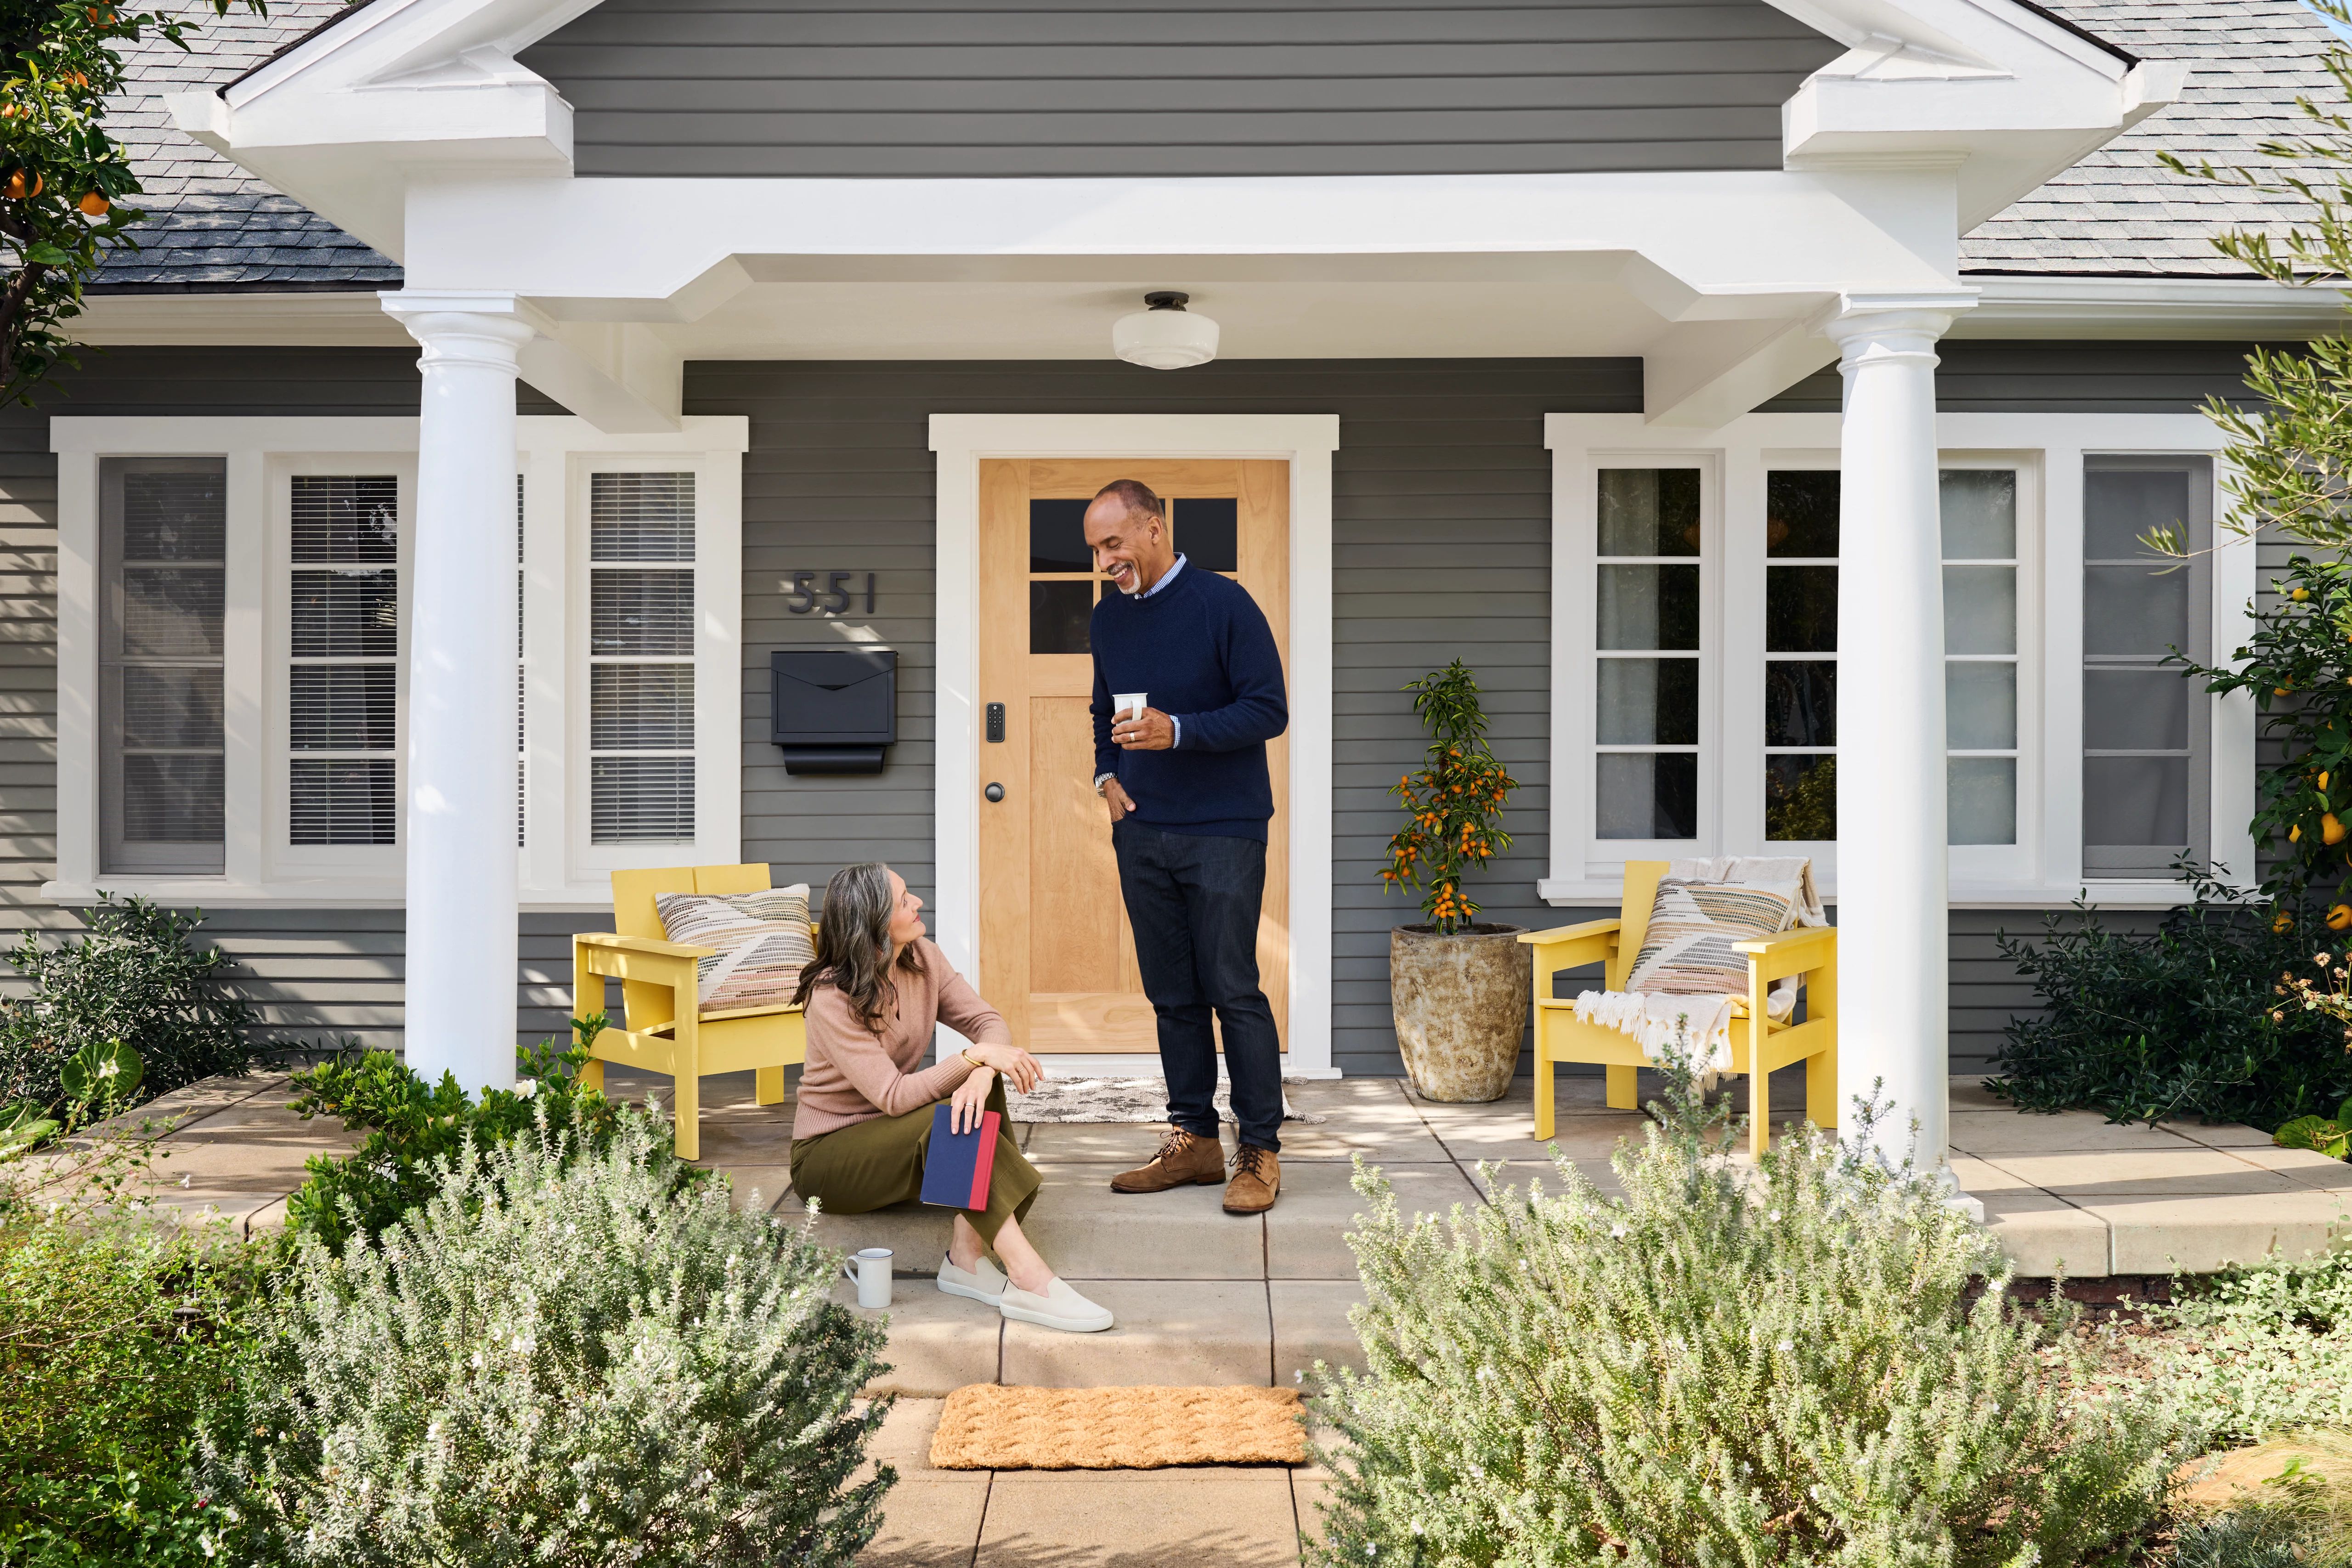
[{"x": 834, "y": 710}]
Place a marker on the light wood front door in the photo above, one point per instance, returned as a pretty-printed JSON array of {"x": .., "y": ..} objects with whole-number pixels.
[{"x": 1057, "y": 954}]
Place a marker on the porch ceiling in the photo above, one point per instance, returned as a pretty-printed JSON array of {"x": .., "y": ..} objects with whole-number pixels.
[{"x": 1259, "y": 320}]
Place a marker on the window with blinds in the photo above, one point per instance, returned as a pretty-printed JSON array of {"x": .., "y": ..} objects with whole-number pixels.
[
  {"x": 163, "y": 543},
  {"x": 640, "y": 620},
  {"x": 2147, "y": 732},
  {"x": 343, "y": 679}
]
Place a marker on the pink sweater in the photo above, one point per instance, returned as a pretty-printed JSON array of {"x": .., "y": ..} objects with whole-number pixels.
[{"x": 854, "y": 1075}]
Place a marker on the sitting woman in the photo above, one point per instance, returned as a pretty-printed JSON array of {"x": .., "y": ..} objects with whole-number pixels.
[{"x": 863, "y": 1125}]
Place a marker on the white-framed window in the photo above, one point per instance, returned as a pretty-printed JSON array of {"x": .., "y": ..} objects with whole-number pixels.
[
  {"x": 2038, "y": 790},
  {"x": 164, "y": 617},
  {"x": 337, "y": 630},
  {"x": 1652, "y": 587},
  {"x": 233, "y": 656}
]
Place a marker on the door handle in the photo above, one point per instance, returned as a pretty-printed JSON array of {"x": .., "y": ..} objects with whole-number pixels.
[{"x": 994, "y": 793}]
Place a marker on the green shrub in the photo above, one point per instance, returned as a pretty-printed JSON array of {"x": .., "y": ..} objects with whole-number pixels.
[
  {"x": 2262, "y": 1348},
  {"x": 2175, "y": 1022},
  {"x": 564, "y": 1359},
  {"x": 1717, "y": 1370},
  {"x": 412, "y": 1128},
  {"x": 118, "y": 1334},
  {"x": 132, "y": 978}
]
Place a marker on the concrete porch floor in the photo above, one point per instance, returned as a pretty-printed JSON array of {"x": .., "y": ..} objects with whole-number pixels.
[{"x": 1203, "y": 1297}]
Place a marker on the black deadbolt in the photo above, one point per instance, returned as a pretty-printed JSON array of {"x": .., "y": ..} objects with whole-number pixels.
[
  {"x": 994, "y": 792},
  {"x": 996, "y": 723}
]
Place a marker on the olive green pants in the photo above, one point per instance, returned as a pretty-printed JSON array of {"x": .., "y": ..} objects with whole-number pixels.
[{"x": 877, "y": 1163}]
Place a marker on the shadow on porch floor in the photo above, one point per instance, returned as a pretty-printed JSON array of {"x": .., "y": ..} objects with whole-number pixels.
[{"x": 1205, "y": 1296}]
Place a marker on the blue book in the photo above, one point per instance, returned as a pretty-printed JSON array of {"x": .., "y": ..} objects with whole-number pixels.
[{"x": 956, "y": 1171}]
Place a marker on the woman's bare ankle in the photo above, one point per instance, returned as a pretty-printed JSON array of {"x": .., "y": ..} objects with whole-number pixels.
[
  {"x": 1036, "y": 1279},
  {"x": 965, "y": 1248}
]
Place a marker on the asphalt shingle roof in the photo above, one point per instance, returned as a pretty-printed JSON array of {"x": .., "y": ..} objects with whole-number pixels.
[
  {"x": 211, "y": 226},
  {"x": 2120, "y": 213},
  {"x": 214, "y": 227}
]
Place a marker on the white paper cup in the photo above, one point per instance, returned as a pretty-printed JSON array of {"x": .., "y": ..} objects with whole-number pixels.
[
  {"x": 1127, "y": 704},
  {"x": 870, "y": 1271}
]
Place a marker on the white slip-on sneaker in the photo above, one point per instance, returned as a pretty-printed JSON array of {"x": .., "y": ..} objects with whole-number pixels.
[
  {"x": 1059, "y": 1308},
  {"x": 984, "y": 1282}
]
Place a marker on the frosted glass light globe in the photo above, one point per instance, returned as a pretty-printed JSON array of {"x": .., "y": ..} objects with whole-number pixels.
[{"x": 1164, "y": 338}]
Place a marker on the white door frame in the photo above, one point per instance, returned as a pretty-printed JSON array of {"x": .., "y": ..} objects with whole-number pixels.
[{"x": 1305, "y": 441}]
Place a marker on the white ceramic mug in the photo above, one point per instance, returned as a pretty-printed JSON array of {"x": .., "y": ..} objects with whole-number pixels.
[
  {"x": 1126, "y": 705},
  {"x": 870, "y": 1271}
]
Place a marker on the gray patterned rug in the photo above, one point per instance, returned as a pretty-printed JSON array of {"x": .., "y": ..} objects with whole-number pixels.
[{"x": 1117, "y": 1099}]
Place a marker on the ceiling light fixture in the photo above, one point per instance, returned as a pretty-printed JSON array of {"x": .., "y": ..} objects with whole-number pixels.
[{"x": 1164, "y": 335}]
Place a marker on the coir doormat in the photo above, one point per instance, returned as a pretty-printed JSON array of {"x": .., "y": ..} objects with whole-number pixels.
[{"x": 991, "y": 1426}]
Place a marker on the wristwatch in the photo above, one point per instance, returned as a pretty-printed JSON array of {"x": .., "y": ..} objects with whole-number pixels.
[{"x": 1101, "y": 779}]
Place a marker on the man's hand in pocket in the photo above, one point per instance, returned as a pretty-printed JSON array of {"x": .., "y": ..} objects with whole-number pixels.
[{"x": 1120, "y": 804}]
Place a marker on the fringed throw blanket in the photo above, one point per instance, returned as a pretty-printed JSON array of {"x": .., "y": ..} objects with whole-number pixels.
[{"x": 1688, "y": 968}]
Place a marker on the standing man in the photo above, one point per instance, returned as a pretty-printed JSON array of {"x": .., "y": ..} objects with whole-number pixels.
[{"x": 1186, "y": 781}]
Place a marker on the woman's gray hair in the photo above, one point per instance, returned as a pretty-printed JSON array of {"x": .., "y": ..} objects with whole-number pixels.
[{"x": 853, "y": 943}]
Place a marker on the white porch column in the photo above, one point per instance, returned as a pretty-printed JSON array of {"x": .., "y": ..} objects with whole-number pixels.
[
  {"x": 461, "y": 988},
  {"x": 1892, "y": 872}
]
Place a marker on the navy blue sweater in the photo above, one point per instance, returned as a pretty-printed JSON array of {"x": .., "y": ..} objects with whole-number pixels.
[{"x": 1201, "y": 652}]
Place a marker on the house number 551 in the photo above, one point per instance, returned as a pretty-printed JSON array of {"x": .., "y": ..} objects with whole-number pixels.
[{"x": 833, "y": 598}]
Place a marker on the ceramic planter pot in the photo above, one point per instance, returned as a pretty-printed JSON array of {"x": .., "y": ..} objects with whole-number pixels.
[{"x": 1461, "y": 1007}]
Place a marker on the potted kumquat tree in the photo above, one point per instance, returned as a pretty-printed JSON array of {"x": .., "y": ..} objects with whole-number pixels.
[{"x": 1459, "y": 986}]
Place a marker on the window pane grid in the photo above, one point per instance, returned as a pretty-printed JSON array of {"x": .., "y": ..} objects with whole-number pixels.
[
  {"x": 1800, "y": 654},
  {"x": 1979, "y": 530},
  {"x": 1646, "y": 668},
  {"x": 164, "y": 554},
  {"x": 2145, "y": 795},
  {"x": 641, "y": 719},
  {"x": 343, "y": 682}
]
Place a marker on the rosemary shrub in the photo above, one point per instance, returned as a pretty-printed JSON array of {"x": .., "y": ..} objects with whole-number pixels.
[
  {"x": 1724, "y": 1366},
  {"x": 566, "y": 1360}
]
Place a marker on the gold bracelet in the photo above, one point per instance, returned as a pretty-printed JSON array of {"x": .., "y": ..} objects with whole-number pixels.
[{"x": 969, "y": 1057}]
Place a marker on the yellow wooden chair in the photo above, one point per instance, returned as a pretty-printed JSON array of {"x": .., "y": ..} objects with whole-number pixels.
[
  {"x": 668, "y": 1032},
  {"x": 1561, "y": 1036}
]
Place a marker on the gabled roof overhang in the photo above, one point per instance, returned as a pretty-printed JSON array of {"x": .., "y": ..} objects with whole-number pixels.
[{"x": 411, "y": 124}]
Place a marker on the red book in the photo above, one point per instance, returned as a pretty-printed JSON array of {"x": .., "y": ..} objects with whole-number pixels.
[{"x": 956, "y": 1169}]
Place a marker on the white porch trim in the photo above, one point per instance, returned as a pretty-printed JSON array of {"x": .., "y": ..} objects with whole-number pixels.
[{"x": 1305, "y": 441}]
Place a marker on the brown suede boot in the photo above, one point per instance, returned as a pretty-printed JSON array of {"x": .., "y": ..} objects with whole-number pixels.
[
  {"x": 1258, "y": 1179},
  {"x": 1182, "y": 1158}
]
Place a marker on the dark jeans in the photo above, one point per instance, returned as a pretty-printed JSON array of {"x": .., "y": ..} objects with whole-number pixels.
[{"x": 1195, "y": 904}]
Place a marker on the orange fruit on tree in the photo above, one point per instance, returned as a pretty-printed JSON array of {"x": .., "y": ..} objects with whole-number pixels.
[
  {"x": 2339, "y": 916},
  {"x": 2295, "y": 834},
  {"x": 2330, "y": 830},
  {"x": 96, "y": 206},
  {"x": 23, "y": 183},
  {"x": 2282, "y": 922}
]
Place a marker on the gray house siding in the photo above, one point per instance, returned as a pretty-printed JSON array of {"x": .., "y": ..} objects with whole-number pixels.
[
  {"x": 1442, "y": 497},
  {"x": 1442, "y": 493},
  {"x": 922, "y": 88}
]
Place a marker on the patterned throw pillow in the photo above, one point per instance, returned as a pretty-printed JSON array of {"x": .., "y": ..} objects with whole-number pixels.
[
  {"x": 762, "y": 940},
  {"x": 1687, "y": 950}
]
